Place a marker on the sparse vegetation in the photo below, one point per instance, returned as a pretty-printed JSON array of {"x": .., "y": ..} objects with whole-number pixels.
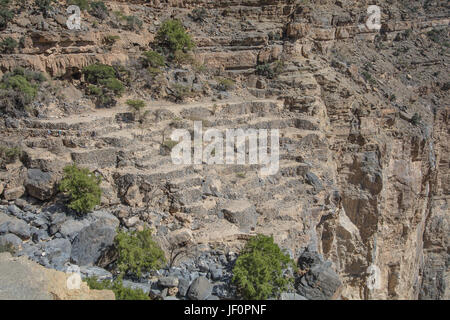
[
  {"x": 137, "y": 107},
  {"x": 199, "y": 15},
  {"x": 169, "y": 144},
  {"x": 121, "y": 292},
  {"x": 9, "y": 155},
  {"x": 45, "y": 6},
  {"x": 8, "y": 45},
  {"x": 110, "y": 40},
  {"x": 153, "y": 59},
  {"x": 225, "y": 84},
  {"x": 8, "y": 247},
  {"x": 181, "y": 92},
  {"x": 99, "y": 10},
  {"x": 258, "y": 272},
  {"x": 6, "y": 15},
  {"x": 138, "y": 252},
  {"x": 416, "y": 119},
  {"x": 270, "y": 70},
  {"x": 82, "y": 187}
]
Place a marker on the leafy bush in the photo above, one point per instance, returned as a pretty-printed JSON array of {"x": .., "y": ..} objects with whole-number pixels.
[
  {"x": 106, "y": 85},
  {"x": 121, "y": 292},
  {"x": 99, "y": 10},
  {"x": 138, "y": 252},
  {"x": 153, "y": 59},
  {"x": 8, "y": 45},
  {"x": 83, "y": 188},
  {"x": 82, "y": 4},
  {"x": 173, "y": 36},
  {"x": 181, "y": 92},
  {"x": 180, "y": 57},
  {"x": 113, "y": 85},
  {"x": 18, "y": 89},
  {"x": 258, "y": 272},
  {"x": 97, "y": 72}
]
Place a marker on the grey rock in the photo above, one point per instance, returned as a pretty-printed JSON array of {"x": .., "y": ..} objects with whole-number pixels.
[
  {"x": 319, "y": 283},
  {"x": 212, "y": 297},
  {"x": 20, "y": 229},
  {"x": 241, "y": 213},
  {"x": 216, "y": 273},
  {"x": 15, "y": 211},
  {"x": 105, "y": 218},
  {"x": 57, "y": 252},
  {"x": 40, "y": 184},
  {"x": 170, "y": 298},
  {"x": 39, "y": 235},
  {"x": 313, "y": 180},
  {"x": 99, "y": 273},
  {"x": 168, "y": 282},
  {"x": 70, "y": 228},
  {"x": 183, "y": 286},
  {"x": 200, "y": 289},
  {"x": 90, "y": 244},
  {"x": 291, "y": 296},
  {"x": 10, "y": 239}
]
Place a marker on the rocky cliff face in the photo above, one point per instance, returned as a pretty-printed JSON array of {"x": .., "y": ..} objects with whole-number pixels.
[{"x": 363, "y": 118}]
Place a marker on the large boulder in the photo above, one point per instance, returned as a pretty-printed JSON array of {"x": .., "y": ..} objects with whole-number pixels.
[
  {"x": 16, "y": 227},
  {"x": 242, "y": 213},
  {"x": 40, "y": 184},
  {"x": 92, "y": 241},
  {"x": 200, "y": 289},
  {"x": 22, "y": 279},
  {"x": 56, "y": 253},
  {"x": 320, "y": 282}
]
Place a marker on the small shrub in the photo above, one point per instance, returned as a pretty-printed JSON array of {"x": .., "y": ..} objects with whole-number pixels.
[
  {"x": 109, "y": 40},
  {"x": 45, "y": 6},
  {"x": 416, "y": 119},
  {"x": 138, "y": 252},
  {"x": 199, "y": 15},
  {"x": 181, "y": 92},
  {"x": 182, "y": 58},
  {"x": 258, "y": 272},
  {"x": 83, "y": 188},
  {"x": 121, "y": 292},
  {"x": 173, "y": 36},
  {"x": 5, "y": 16},
  {"x": 99, "y": 10},
  {"x": 94, "y": 90},
  {"x": 8, "y": 45},
  {"x": 133, "y": 23},
  {"x": 169, "y": 144},
  {"x": 9, "y": 155},
  {"x": 136, "y": 105},
  {"x": 270, "y": 70},
  {"x": 153, "y": 59},
  {"x": 226, "y": 84}
]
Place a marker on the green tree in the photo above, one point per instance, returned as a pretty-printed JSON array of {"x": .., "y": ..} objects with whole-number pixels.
[
  {"x": 258, "y": 272},
  {"x": 138, "y": 252},
  {"x": 83, "y": 188},
  {"x": 173, "y": 36}
]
